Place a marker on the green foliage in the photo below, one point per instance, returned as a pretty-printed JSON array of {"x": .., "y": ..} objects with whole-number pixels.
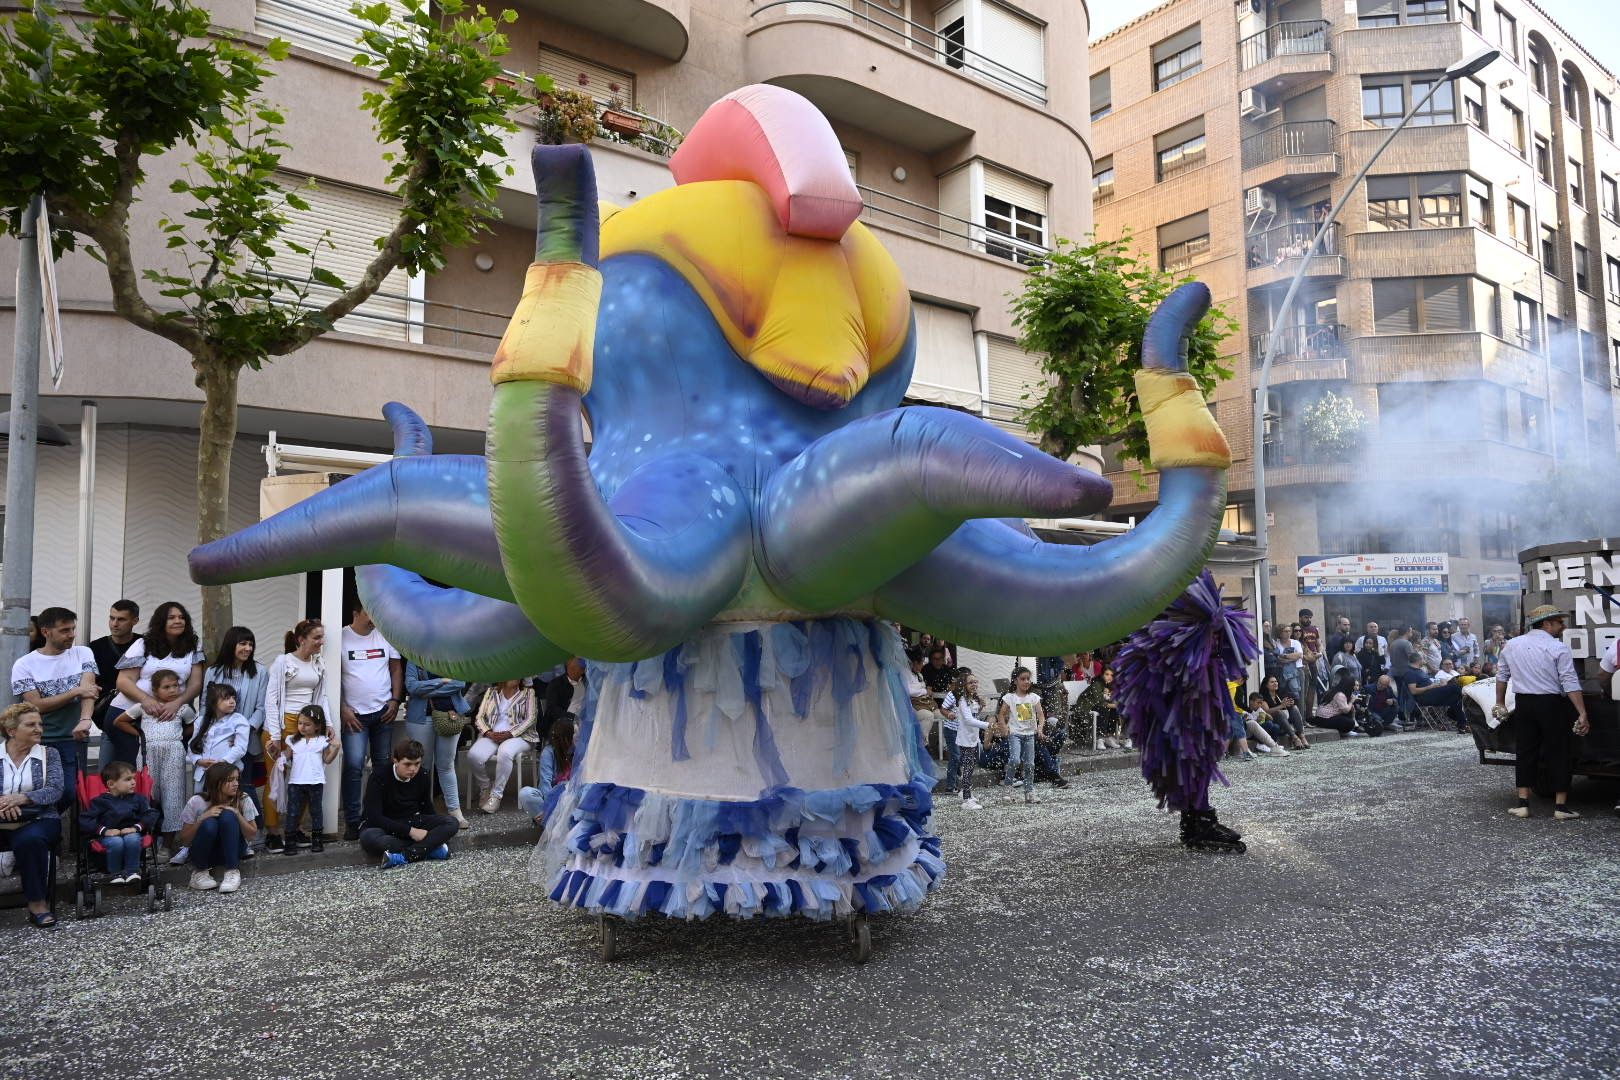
[
  {"x": 1084, "y": 312},
  {"x": 1334, "y": 423},
  {"x": 565, "y": 116}
]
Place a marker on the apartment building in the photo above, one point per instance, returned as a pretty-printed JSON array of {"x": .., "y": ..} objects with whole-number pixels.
[
  {"x": 963, "y": 123},
  {"x": 1466, "y": 303}
]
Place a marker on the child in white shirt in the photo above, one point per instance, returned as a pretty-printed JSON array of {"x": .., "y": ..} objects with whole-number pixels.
[
  {"x": 964, "y": 705},
  {"x": 308, "y": 753},
  {"x": 1022, "y": 712},
  {"x": 223, "y": 735},
  {"x": 165, "y": 749}
]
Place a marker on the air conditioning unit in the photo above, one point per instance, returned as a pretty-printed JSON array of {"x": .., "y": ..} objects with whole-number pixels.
[
  {"x": 1253, "y": 104},
  {"x": 1259, "y": 201}
]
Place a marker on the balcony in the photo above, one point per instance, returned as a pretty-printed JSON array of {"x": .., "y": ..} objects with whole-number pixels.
[
  {"x": 1306, "y": 353},
  {"x": 1457, "y": 355},
  {"x": 865, "y": 65},
  {"x": 661, "y": 27},
  {"x": 1291, "y": 154},
  {"x": 1285, "y": 54},
  {"x": 895, "y": 214},
  {"x": 1274, "y": 254}
]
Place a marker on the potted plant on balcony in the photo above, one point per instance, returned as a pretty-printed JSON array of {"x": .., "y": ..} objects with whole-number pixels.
[
  {"x": 1332, "y": 425},
  {"x": 563, "y": 116},
  {"x": 621, "y": 122}
]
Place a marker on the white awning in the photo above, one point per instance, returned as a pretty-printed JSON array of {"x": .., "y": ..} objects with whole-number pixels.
[{"x": 947, "y": 371}]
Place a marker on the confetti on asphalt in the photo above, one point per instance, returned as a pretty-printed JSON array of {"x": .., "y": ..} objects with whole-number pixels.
[{"x": 1389, "y": 920}]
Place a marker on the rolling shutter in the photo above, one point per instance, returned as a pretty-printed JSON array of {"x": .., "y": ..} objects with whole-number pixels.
[
  {"x": 1013, "y": 372},
  {"x": 1018, "y": 190},
  {"x": 342, "y": 227},
  {"x": 955, "y": 195},
  {"x": 609, "y": 86},
  {"x": 1102, "y": 91},
  {"x": 323, "y": 26},
  {"x": 1017, "y": 45},
  {"x": 947, "y": 370}
]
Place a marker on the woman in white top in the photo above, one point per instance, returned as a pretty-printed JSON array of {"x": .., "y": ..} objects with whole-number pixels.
[
  {"x": 963, "y": 704},
  {"x": 297, "y": 678},
  {"x": 506, "y": 728},
  {"x": 170, "y": 644}
]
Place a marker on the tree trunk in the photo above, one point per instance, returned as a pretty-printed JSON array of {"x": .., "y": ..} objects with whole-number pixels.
[{"x": 216, "y": 438}]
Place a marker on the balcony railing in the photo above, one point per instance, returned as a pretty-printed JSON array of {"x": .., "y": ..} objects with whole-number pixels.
[
  {"x": 1322, "y": 341},
  {"x": 881, "y": 20},
  {"x": 1297, "y": 37},
  {"x": 1290, "y": 240},
  {"x": 456, "y": 325},
  {"x": 1292, "y": 445},
  {"x": 902, "y": 215},
  {"x": 1299, "y": 138}
]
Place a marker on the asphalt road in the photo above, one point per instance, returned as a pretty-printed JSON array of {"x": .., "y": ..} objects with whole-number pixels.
[{"x": 1388, "y": 921}]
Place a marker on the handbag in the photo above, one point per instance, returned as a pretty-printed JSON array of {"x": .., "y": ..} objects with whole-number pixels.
[{"x": 447, "y": 721}]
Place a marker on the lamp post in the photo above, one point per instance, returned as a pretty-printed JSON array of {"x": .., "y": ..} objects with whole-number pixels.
[{"x": 1262, "y": 533}]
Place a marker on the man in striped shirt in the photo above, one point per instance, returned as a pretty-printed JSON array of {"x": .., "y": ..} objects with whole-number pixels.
[{"x": 1544, "y": 687}]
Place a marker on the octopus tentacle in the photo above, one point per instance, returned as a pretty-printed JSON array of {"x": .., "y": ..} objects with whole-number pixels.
[
  {"x": 992, "y": 587},
  {"x": 619, "y": 582},
  {"x": 864, "y": 502}
]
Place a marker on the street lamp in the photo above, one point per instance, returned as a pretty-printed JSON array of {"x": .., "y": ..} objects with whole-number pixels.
[{"x": 1262, "y": 533}]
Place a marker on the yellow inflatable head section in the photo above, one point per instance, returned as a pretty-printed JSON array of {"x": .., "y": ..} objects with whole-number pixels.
[{"x": 816, "y": 317}]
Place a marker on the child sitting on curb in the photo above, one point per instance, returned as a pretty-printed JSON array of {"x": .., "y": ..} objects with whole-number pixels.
[{"x": 399, "y": 822}]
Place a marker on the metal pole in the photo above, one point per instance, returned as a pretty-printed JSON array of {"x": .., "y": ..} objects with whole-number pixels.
[
  {"x": 1262, "y": 532},
  {"x": 87, "y": 516},
  {"x": 17, "y": 575}
]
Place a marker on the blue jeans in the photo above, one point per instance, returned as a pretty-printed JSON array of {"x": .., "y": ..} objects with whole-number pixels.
[
  {"x": 31, "y": 844},
  {"x": 123, "y": 853},
  {"x": 439, "y": 754},
  {"x": 953, "y": 758},
  {"x": 218, "y": 842},
  {"x": 1021, "y": 748},
  {"x": 375, "y": 738},
  {"x": 532, "y": 800},
  {"x": 72, "y": 753}
]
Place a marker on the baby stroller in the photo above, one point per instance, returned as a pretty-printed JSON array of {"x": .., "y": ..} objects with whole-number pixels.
[{"x": 90, "y": 867}]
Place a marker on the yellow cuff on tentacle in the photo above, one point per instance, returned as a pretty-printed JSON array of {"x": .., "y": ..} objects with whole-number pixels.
[
  {"x": 553, "y": 332},
  {"x": 1180, "y": 428}
]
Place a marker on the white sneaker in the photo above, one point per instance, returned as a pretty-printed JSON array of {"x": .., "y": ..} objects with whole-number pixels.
[
  {"x": 8, "y": 859},
  {"x": 972, "y": 804},
  {"x": 1519, "y": 811},
  {"x": 1128, "y": 745},
  {"x": 1030, "y": 798},
  {"x": 1280, "y": 752},
  {"x": 1354, "y": 734},
  {"x": 491, "y": 804},
  {"x": 231, "y": 881},
  {"x": 1261, "y": 748},
  {"x": 202, "y": 880},
  {"x": 180, "y": 856}
]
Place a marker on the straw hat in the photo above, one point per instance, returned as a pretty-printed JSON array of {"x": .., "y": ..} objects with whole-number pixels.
[{"x": 1541, "y": 614}]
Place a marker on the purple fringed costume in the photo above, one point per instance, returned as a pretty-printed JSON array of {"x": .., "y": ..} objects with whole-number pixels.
[{"x": 1172, "y": 689}]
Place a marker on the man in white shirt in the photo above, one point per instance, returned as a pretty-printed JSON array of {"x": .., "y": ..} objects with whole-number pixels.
[
  {"x": 1544, "y": 687},
  {"x": 59, "y": 679},
  {"x": 1466, "y": 644},
  {"x": 373, "y": 689}
]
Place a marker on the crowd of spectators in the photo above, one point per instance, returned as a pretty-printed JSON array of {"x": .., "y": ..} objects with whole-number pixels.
[{"x": 238, "y": 749}]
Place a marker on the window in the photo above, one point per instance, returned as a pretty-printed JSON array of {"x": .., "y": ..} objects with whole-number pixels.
[
  {"x": 1479, "y": 204},
  {"x": 1437, "y": 199},
  {"x": 953, "y": 42},
  {"x": 1557, "y": 348},
  {"x": 1440, "y": 202},
  {"x": 1023, "y": 223},
  {"x": 1572, "y": 98},
  {"x": 1540, "y": 77},
  {"x": 1614, "y": 359},
  {"x": 1611, "y": 276},
  {"x": 1583, "y": 269},
  {"x": 1519, "y": 224},
  {"x": 1549, "y": 249},
  {"x": 1527, "y": 322},
  {"x": 1179, "y": 149},
  {"x": 1389, "y": 203},
  {"x": 1493, "y": 411},
  {"x": 606, "y": 85},
  {"x": 1371, "y": 13},
  {"x": 1178, "y": 57},
  {"x": 1515, "y": 125},
  {"x": 1544, "y": 159},
  {"x": 1421, "y": 305},
  {"x": 1384, "y": 99},
  {"x": 1499, "y": 529},
  {"x": 1591, "y": 358},
  {"x": 1507, "y": 34},
  {"x": 1425, "y": 11},
  {"x": 1468, "y": 12},
  {"x": 1605, "y": 115},
  {"x": 1611, "y": 198},
  {"x": 1102, "y": 179},
  {"x": 1473, "y": 93},
  {"x": 1577, "y": 183},
  {"x": 1533, "y": 421},
  {"x": 1102, "y": 93},
  {"x": 1183, "y": 241}
]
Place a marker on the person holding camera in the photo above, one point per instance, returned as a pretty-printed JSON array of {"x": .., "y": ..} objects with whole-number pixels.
[
  {"x": 1338, "y": 712},
  {"x": 1286, "y": 722},
  {"x": 1545, "y": 687}
]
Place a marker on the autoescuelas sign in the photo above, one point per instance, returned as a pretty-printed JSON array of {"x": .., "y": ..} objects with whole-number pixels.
[{"x": 1393, "y": 572}]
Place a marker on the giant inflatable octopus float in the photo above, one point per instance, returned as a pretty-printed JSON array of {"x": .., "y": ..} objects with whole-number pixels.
[{"x": 753, "y": 515}]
